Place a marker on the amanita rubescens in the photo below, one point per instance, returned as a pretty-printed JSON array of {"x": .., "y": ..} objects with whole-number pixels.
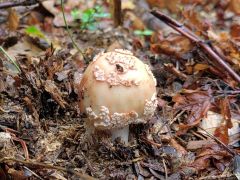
[{"x": 117, "y": 89}]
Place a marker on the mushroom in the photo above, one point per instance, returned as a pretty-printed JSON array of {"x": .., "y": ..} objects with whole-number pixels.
[{"x": 117, "y": 89}]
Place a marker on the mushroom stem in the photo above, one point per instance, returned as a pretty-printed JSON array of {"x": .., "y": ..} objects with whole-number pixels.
[{"x": 122, "y": 133}]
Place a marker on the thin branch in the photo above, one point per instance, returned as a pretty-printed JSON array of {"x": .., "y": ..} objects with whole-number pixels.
[
  {"x": 10, "y": 59},
  {"x": 33, "y": 173},
  {"x": 117, "y": 12},
  {"x": 47, "y": 166},
  {"x": 5, "y": 5},
  {"x": 69, "y": 33},
  {"x": 233, "y": 153},
  {"x": 189, "y": 34}
]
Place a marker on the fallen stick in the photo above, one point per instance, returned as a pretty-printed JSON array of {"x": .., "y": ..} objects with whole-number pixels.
[
  {"x": 48, "y": 166},
  {"x": 116, "y": 12},
  {"x": 5, "y": 5},
  {"x": 194, "y": 38}
]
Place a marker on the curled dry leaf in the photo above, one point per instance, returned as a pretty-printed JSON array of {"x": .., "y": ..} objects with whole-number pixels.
[
  {"x": 211, "y": 153},
  {"x": 225, "y": 111},
  {"x": 174, "y": 45},
  {"x": 234, "y": 5},
  {"x": 226, "y": 47},
  {"x": 173, "y": 5},
  {"x": 181, "y": 150},
  {"x": 51, "y": 88},
  {"x": 13, "y": 19},
  {"x": 235, "y": 31},
  {"x": 194, "y": 21},
  {"x": 196, "y": 104},
  {"x": 136, "y": 22},
  {"x": 224, "y": 130},
  {"x": 194, "y": 145}
]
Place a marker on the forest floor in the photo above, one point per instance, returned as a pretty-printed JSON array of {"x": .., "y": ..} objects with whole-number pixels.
[{"x": 193, "y": 49}]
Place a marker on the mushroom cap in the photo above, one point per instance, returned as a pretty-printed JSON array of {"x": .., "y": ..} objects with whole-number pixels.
[{"x": 117, "y": 89}]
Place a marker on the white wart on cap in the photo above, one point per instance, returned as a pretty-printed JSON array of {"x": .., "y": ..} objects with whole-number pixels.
[{"x": 117, "y": 89}]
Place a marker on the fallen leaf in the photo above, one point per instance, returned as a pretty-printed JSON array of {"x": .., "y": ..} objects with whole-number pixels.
[
  {"x": 210, "y": 153},
  {"x": 13, "y": 19},
  {"x": 225, "y": 111},
  {"x": 234, "y": 5},
  {"x": 180, "y": 149},
  {"x": 193, "y": 19},
  {"x": 196, "y": 104},
  {"x": 215, "y": 124},
  {"x": 173, "y": 5},
  {"x": 200, "y": 67},
  {"x": 194, "y": 145},
  {"x": 173, "y": 45},
  {"x": 221, "y": 133},
  {"x": 136, "y": 22},
  {"x": 51, "y": 88},
  {"x": 235, "y": 31}
]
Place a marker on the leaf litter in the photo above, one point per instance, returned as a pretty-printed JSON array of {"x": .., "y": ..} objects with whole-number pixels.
[{"x": 195, "y": 131}]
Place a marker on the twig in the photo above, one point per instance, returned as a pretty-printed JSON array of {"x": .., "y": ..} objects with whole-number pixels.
[
  {"x": 150, "y": 142},
  {"x": 206, "y": 46},
  {"x": 10, "y": 59},
  {"x": 117, "y": 12},
  {"x": 175, "y": 71},
  {"x": 198, "y": 135},
  {"x": 219, "y": 142},
  {"x": 48, "y": 166},
  {"x": 165, "y": 169},
  {"x": 69, "y": 33},
  {"x": 5, "y": 5},
  {"x": 33, "y": 172}
]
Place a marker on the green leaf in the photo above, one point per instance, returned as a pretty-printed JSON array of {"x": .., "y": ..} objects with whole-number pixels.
[
  {"x": 146, "y": 32},
  {"x": 76, "y": 14},
  {"x": 102, "y": 15},
  {"x": 34, "y": 32},
  {"x": 89, "y": 17}
]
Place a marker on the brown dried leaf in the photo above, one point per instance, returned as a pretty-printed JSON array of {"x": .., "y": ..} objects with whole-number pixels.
[
  {"x": 54, "y": 67},
  {"x": 221, "y": 133},
  {"x": 34, "y": 18},
  {"x": 136, "y": 22},
  {"x": 235, "y": 31},
  {"x": 225, "y": 111},
  {"x": 200, "y": 67},
  {"x": 17, "y": 174},
  {"x": 196, "y": 103},
  {"x": 180, "y": 149},
  {"x": 194, "y": 20},
  {"x": 234, "y": 5},
  {"x": 32, "y": 109},
  {"x": 201, "y": 163},
  {"x": 13, "y": 19},
  {"x": 174, "y": 45},
  {"x": 172, "y": 5},
  {"x": 226, "y": 47},
  {"x": 210, "y": 153},
  {"x": 51, "y": 88},
  {"x": 193, "y": 145}
]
